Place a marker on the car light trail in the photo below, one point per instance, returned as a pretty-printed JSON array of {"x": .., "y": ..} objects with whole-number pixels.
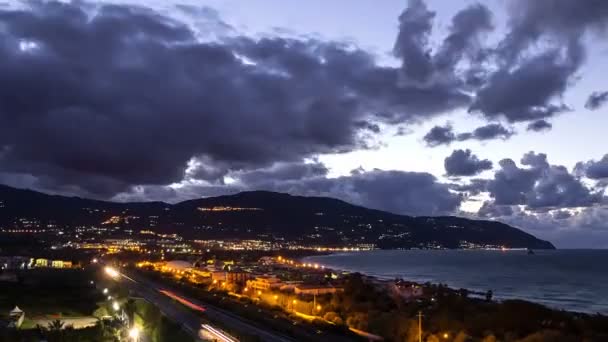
[
  {"x": 182, "y": 300},
  {"x": 218, "y": 334}
]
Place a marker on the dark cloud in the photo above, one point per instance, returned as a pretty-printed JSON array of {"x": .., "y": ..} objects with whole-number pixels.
[
  {"x": 96, "y": 99},
  {"x": 488, "y": 132},
  {"x": 596, "y": 100},
  {"x": 539, "y": 126},
  {"x": 593, "y": 169},
  {"x": 445, "y": 135},
  {"x": 281, "y": 172},
  {"x": 540, "y": 186},
  {"x": 464, "y": 37},
  {"x": 538, "y": 58},
  {"x": 465, "y": 163},
  {"x": 475, "y": 187},
  {"x": 440, "y": 135},
  {"x": 422, "y": 65},
  {"x": 415, "y": 25},
  {"x": 490, "y": 210},
  {"x": 524, "y": 93}
]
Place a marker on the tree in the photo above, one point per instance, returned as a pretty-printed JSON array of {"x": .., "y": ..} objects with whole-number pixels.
[
  {"x": 55, "y": 325},
  {"x": 130, "y": 308}
]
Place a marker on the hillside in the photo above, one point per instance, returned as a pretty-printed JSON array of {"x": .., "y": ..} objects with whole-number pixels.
[{"x": 260, "y": 215}]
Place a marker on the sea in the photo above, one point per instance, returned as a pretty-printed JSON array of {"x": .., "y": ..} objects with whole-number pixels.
[{"x": 574, "y": 280}]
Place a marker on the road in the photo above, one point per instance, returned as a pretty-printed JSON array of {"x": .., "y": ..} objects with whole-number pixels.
[{"x": 189, "y": 319}]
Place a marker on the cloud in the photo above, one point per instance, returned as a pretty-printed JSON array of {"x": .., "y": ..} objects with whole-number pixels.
[
  {"x": 440, "y": 135},
  {"x": 465, "y": 163},
  {"x": 445, "y": 135},
  {"x": 538, "y": 58},
  {"x": 415, "y": 24},
  {"x": 596, "y": 100},
  {"x": 594, "y": 169},
  {"x": 585, "y": 228},
  {"x": 539, "y": 126},
  {"x": 126, "y": 96},
  {"x": 487, "y": 132},
  {"x": 540, "y": 186}
]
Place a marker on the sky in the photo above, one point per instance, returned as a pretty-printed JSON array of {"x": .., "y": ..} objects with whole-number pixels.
[{"x": 490, "y": 110}]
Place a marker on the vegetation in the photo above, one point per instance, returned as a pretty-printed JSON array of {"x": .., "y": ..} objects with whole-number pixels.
[
  {"x": 452, "y": 314},
  {"x": 50, "y": 292}
]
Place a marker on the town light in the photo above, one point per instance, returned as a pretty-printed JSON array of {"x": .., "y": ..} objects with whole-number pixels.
[
  {"x": 446, "y": 335},
  {"x": 115, "y": 306},
  {"x": 109, "y": 297},
  {"x": 276, "y": 297},
  {"x": 94, "y": 260},
  {"x": 295, "y": 302},
  {"x": 318, "y": 307},
  {"x": 259, "y": 293},
  {"x": 134, "y": 333},
  {"x": 105, "y": 291},
  {"x": 246, "y": 289}
]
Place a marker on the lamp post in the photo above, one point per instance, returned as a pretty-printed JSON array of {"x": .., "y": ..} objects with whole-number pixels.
[{"x": 134, "y": 334}]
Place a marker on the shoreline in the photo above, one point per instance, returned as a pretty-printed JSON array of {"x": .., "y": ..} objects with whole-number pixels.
[{"x": 388, "y": 280}]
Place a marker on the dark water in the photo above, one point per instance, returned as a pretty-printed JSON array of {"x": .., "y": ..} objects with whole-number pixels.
[{"x": 574, "y": 280}]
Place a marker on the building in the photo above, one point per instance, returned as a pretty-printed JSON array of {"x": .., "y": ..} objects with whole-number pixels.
[
  {"x": 16, "y": 317},
  {"x": 307, "y": 289},
  {"x": 407, "y": 290},
  {"x": 178, "y": 265},
  {"x": 14, "y": 262},
  {"x": 238, "y": 277},
  {"x": 43, "y": 263},
  {"x": 265, "y": 283}
]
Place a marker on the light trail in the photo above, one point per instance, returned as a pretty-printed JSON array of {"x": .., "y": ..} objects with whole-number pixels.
[
  {"x": 219, "y": 334},
  {"x": 182, "y": 300}
]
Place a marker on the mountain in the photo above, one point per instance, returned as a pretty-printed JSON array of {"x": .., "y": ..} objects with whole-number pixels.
[{"x": 260, "y": 215}]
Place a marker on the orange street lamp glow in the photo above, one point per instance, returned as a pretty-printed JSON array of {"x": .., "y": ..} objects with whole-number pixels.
[
  {"x": 318, "y": 307},
  {"x": 446, "y": 335}
]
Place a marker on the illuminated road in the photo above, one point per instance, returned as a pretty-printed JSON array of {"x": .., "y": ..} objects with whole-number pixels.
[{"x": 189, "y": 319}]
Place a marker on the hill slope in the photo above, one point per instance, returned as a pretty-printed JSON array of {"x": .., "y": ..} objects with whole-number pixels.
[{"x": 261, "y": 215}]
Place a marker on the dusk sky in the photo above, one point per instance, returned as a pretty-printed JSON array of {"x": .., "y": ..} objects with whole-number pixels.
[{"x": 494, "y": 110}]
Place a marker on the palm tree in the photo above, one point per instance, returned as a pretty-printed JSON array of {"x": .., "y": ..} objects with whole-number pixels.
[
  {"x": 55, "y": 325},
  {"x": 130, "y": 309}
]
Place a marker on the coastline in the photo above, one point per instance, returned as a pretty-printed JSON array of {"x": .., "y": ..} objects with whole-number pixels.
[{"x": 447, "y": 283}]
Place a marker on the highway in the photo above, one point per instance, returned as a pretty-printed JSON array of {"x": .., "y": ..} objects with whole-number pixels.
[{"x": 189, "y": 320}]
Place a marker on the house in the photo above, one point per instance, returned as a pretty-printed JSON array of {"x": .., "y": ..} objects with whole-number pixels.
[{"x": 265, "y": 283}]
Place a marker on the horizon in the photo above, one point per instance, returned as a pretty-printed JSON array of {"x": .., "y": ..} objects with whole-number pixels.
[{"x": 482, "y": 110}]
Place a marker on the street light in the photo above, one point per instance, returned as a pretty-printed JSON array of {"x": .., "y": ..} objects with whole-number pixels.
[
  {"x": 105, "y": 291},
  {"x": 115, "y": 306},
  {"x": 446, "y": 335},
  {"x": 134, "y": 333},
  {"x": 318, "y": 307},
  {"x": 111, "y": 272}
]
